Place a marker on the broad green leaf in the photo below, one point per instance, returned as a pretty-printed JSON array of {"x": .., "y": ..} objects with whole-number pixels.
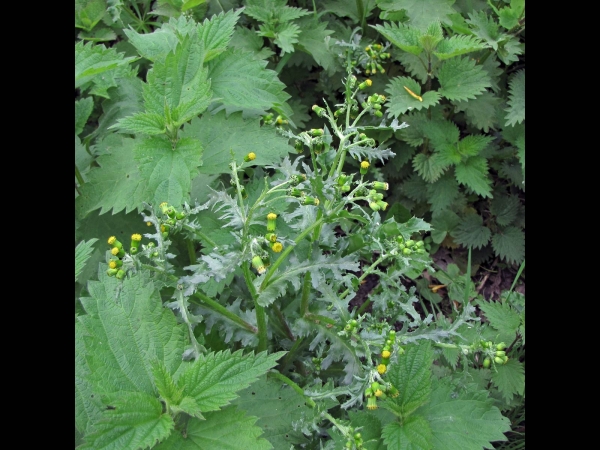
[
  {"x": 98, "y": 34},
  {"x": 401, "y": 100},
  {"x": 502, "y": 318},
  {"x": 413, "y": 225},
  {"x": 227, "y": 429},
  {"x": 125, "y": 100},
  {"x": 92, "y": 60},
  {"x": 402, "y": 36},
  {"x": 117, "y": 183},
  {"x": 429, "y": 167},
  {"x": 431, "y": 37},
  {"x": 370, "y": 431},
  {"x": 462, "y": 420},
  {"x": 349, "y": 8},
  {"x": 83, "y": 109},
  {"x": 154, "y": 46},
  {"x": 509, "y": 50},
  {"x": 457, "y": 45},
  {"x": 509, "y": 378},
  {"x": 179, "y": 86},
  {"x": 416, "y": 65},
  {"x": 126, "y": 327},
  {"x": 443, "y": 136},
  {"x": 509, "y": 244},
  {"x": 241, "y": 83},
  {"x": 165, "y": 385},
  {"x": 249, "y": 42},
  {"x": 189, "y": 4},
  {"x": 221, "y": 135},
  {"x": 486, "y": 28},
  {"x": 213, "y": 379},
  {"x": 216, "y": 32},
  {"x": 509, "y": 17},
  {"x": 461, "y": 79},
  {"x": 473, "y": 173},
  {"x": 516, "y": 99},
  {"x": 144, "y": 123},
  {"x": 286, "y": 37},
  {"x": 411, "y": 375},
  {"x": 422, "y": 13},
  {"x": 413, "y": 434},
  {"x": 313, "y": 39},
  {"x": 443, "y": 192},
  {"x": 82, "y": 254},
  {"x": 471, "y": 232},
  {"x": 414, "y": 134},
  {"x": 415, "y": 188},
  {"x": 473, "y": 144},
  {"x": 278, "y": 407},
  {"x": 442, "y": 224},
  {"x": 134, "y": 421},
  {"x": 505, "y": 208},
  {"x": 167, "y": 170},
  {"x": 480, "y": 112},
  {"x": 88, "y": 13},
  {"x": 88, "y": 408}
]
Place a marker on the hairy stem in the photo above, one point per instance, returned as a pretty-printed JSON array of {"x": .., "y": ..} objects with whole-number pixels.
[
  {"x": 309, "y": 401},
  {"x": 261, "y": 320},
  {"x": 305, "y": 294},
  {"x": 191, "y": 251},
  {"x": 284, "y": 324},
  {"x": 79, "y": 177}
]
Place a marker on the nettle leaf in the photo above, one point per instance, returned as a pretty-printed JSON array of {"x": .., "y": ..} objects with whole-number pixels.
[
  {"x": 509, "y": 17},
  {"x": 154, "y": 46},
  {"x": 242, "y": 83},
  {"x": 247, "y": 40},
  {"x": 473, "y": 144},
  {"x": 416, "y": 65},
  {"x": 505, "y": 208},
  {"x": 88, "y": 407},
  {"x": 135, "y": 420},
  {"x": 125, "y": 100},
  {"x": 443, "y": 136},
  {"x": 228, "y": 429},
  {"x": 411, "y": 375},
  {"x": 82, "y": 254},
  {"x": 88, "y": 13},
  {"x": 168, "y": 171},
  {"x": 216, "y": 32},
  {"x": 473, "y": 173},
  {"x": 430, "y": 167},
  {"x": 481, "y": 112},
  {"x": 443, "y": 192},
  {"x": 83, "y": 109},
  {"x": 457, "y": 45},
  {"x": 442, "y": 224},
  {"x": 165, "y": 385},
  {"x": 144, "y": 123},
  {"x": 213, "y": 379},
  {"x": 471, "y": 232},
  {"x": 401, "y": 101},
  {"x": 221, "y": 135},
  {"x": 286, "y": 37},
  {"x": 509, "y": 378},
  {"x": 281, "y": 411},
  {"x": 402, "y": 36},
  {"x": 486, "y": 28},
  {"x": 414, "y": 134},
  {"x": 116, "y": 184},
  {"x": 503, "y": 318},
  {"x": 415, "y": 188},
  {"x": 462, "y": 79},
  {"x": 348, "y": 8},
  {"x": 314, "y": 40},
  {"x": 414, "y": 434},
  {"x": 463, "y": 420},
  {"x": 99, "y": 66},
  {"x": 412, "y": 225},
  {"x": 421, "y": 14},
  {"x": 509, "y": 244},
  {"x": 516, "y": 99}
]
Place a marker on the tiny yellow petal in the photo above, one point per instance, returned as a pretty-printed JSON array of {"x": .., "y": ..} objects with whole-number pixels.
[
  {"x": 381, "y": 368},
  {"x": 136, "y": 237},
  {"x": 271, "y": 216},
  {"x": 365, "y": 164}
]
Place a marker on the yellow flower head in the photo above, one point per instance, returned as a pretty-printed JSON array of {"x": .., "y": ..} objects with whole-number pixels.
[
  {"x": 112, "y": 264},
  {"x": 381, "y": 368},
  {"x": 378, "y": 393},
  {"x": 271, "y": 216},
  {"x": 277, "y": 247},
  {"x": 251, "y": 156},
  {"x": 385, "y": 354},
  {"x": 111, "y": 240},
  {"x": 149, "y": 224},
  {"x": 365, "y": 164},
  {"x": 369, "y": 82},
  {"x": 114, "y": 251},
  {"x": 136, "y": 237},
  {"x": 163, "y": 204}
]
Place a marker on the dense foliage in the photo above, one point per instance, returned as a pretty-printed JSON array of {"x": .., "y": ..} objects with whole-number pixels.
[{"x": 267, "y": 193}]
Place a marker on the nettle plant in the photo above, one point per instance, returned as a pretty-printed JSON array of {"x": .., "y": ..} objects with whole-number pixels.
[{"x": 237, "y": 320}]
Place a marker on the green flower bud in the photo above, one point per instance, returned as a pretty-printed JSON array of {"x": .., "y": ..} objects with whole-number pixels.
[
  {"x": 271, "y": 218},
  {"x": 295, "y": 192},
  {"x": 316, "y": 132},
  {"x": 383, "y": 205},
  {"x": 487, "y": 362},
  {"x": 320, "y": 111},
  {"x": 345, "y": 188},
  {"x": 170, "y": 212},
  {"x": 135, "y": 241},
  {"x": 115, "y": 264},
  {"x": 501, "y": 346},
  {"x": 365, "y": 84},
  {"x": 372, "y": 403},
  {"x": 112, "y": 272},
  {"x": 380, "y": 185},
  {"x": 364, "y": 167},
  {"x": 163, "y": 207},
  {"x": 133, "y": 250},
  {"x": 501, "y": 353},
  {"x": 120, "y": 274},
  {"x": 114, "y": 242},
  {"x": 374, "y": 385},
  {"x": 180, "y": 215},
  {"x": 374, "y": 206},
  {"x": 407, "y": 251},
  {"x": 299, "y": 146},
  {"x": 310, "y": 201},
  {"x": 499, "y": 360},
  {"x": 258, "y": 264},
  {"x": 271, "y": 237},
  {"x": 410, "y": 243},
  {"x": 393, "y": 392},
  {"x": 165, "y": 234},
  {"x": 378, "y": 114}
]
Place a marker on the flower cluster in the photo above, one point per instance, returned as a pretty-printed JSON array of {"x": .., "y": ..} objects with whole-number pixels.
[
  {"x": 375, "y": 54},
  {"x": 115, "y": 265},
  {"x": 495, "y": 353}
]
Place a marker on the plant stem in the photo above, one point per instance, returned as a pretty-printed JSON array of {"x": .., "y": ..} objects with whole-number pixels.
[
  {"x": 309, "y": 401},
  {"x": 282, "y": 62},
  {"x": 361, "y": 15},
  {"x": 191, "y": 251},
  {"x": 79, "y": 177},
  {"x": 305, "y": 294},
  {"x": 363, "y": 307},
  {"x": 317, "y": 318},
  {"x": 261, "y": 320},
  {"x": 366, "y": 272},
  {"x": 281, "y": 318},
  {"x": 295, "y": 347},
  {"x": 200, "y": 234}
]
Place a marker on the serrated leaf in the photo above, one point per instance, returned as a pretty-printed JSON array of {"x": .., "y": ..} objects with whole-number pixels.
[
  {"x": 82, "y": 254},
  {"x": 502, "y": 318},
  {"x": 416, "y": 65},
  {"x": 422, "y": 13},
  {"x": 314, "y": 39},
  {"x": 213, "y": 379},
  {"x": 154, "y": 46},
  {"x": 505, "y": 208},
  {"x": 401, "y": 101},
  {"x": 135, "y": 421},
  {"x": 126, "y": 327},
  {"x": 413, "y": 434},
  {"x": 125, "y": 100},
  {"x": 248, "y": 41},
  {"x": 244, "y": 84},
  {"x": 471, "y": 232},
  {"x": 88, "y": 13},
  {"x": 480, "y": 112},
  {"x": 462, "y": 79},
  {"x": 227, "y": 429},
  {"x": 415, "y": 188},
  {"x": 144, "y": 123},
  {"x": 165, "y": 385},
  {"x": 473, "y": 144},
  {"x": 473, "y": 173},
  {"x": 286, "y": 37},
  {"x": 117, "y": 183},
  {"x": 279, "y": 409},
  {"x": 442, "y": 193},
  {"x": 451, "y": 355},
  {"x": 486, "y": 28},
  {"x": 429, "y": 167},
  {"x": 216, "y": 32},
  {"x": 508, "y": 17},
  {"x": 443, "y": 135},
  {"x": 516, "y": 99},
  {"x": 413, "y": 225},
  {"x": 411, "y": 375},
  {"x": 509, "y": 378},
  {"x": 402, "y": 36},
  {"x": 370, "y": 431},
  {"x": 221, "y": 135},
  {"x": 88, "y": 408},
  {"x": 83, "y": 109},
  {"x": 509, "y": 244},
  {"x": 168, "y": 171},
  {"x": 457, "y": 45},
  {"x": 463, "y": 420},
  {"x": 346, "y": 8},
  {"x": 442, "y": 224}
]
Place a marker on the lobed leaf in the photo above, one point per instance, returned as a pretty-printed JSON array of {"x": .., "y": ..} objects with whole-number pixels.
[
  {"x": 462, "y": 79},
  {"x": 82, "y": 254}
]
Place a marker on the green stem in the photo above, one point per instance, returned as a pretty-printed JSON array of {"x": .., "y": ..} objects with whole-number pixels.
[
  {"x": 201, "y": 235},
  {"x": 191, "y": 251},
  {"x": 317, "y": 318},
  {"x": 282, "y": 62},
  {"x": 366, "y": 273},
  {"x": 295, "y": 347},
  {"x": 305, "y": 294},
  {"x": 284, "y": 324},
  {"x": 361, "y": 15},
  {"x": 363, "y": 307},
  {"x": 80, "y": 179},
  {"x": 261, "y": 320},
  {"x": 309, "y": 401}
]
